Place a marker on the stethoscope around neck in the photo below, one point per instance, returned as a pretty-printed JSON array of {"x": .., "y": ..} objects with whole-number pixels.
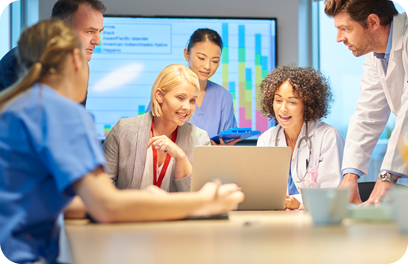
[{"x": 306, "y": 139}]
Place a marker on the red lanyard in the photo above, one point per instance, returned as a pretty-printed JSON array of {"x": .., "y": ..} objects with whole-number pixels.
[{"x": 166, "y": 162}]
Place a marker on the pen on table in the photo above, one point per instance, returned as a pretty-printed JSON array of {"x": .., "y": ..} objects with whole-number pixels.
[
  {"x": 248, "y": 223},
  {"x": 218, "y": 183}
]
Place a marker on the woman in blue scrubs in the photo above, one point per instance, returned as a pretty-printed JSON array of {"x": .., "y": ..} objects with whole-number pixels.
[
  {"x": 49, "y": 152},
  {"x": 214, "y": 106},
  {"x": 215, "y": 109}
]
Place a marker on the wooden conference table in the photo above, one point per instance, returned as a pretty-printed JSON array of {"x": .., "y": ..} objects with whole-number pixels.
[{"x": 248, "y": 237}]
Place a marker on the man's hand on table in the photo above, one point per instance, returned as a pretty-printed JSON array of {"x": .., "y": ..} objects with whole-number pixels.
[
  {"x": 350, "y": 181},
  {"x": 380, "y": 189}
]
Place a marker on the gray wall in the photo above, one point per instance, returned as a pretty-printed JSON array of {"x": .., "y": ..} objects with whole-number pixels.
[{"x": 286, "y": 11}]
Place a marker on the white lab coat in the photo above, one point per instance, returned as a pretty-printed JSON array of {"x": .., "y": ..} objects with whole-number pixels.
[
  {"x": 327, "y": 153},
  {"x": 382, "y": 90}
]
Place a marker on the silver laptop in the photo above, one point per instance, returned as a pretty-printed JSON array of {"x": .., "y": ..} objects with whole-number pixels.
[{"x": 261, "y": 172}]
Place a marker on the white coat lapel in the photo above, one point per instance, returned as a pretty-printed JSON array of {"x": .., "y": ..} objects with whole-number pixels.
[
  {"x": 281, "y": 138},
  {"x": 301, "y": 135},
  {"x": 303, "y": 154},
  {"x": 395, "y": 73},
  {"x": 298, "y": 166}
]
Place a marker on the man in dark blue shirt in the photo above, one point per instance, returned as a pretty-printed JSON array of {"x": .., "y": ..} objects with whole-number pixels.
[
  {"x": 8, "y": 69},
  {"x": 85, "y": 16}
]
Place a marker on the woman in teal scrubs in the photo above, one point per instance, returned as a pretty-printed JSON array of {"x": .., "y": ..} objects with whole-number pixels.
[
  {"x": 215, "y": 110},
  {"x": 214, "y": 106},
  {"x": 49, "y": 153}
]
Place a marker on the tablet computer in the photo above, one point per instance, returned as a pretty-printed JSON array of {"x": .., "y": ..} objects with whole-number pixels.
[{"x": 234, "y": 133}]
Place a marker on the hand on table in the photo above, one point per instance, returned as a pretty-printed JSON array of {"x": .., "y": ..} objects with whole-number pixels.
[
  {"x": 165, "y": 145},
  {"x": 218, "y": 199},
  {"x": 350, "y": 181},
  {"x": 223, "y": 143},
  {"x": 291, "y": 203},
  {"x": 380, "y": 189}
]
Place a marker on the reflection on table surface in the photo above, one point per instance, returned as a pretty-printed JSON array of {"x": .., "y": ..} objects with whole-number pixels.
[{"x": 248, "y": 237}]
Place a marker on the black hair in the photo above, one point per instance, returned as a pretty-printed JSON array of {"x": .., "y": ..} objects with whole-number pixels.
[
  {"x": 203, "y": 34},
  {"x": 65, "y": 9}
]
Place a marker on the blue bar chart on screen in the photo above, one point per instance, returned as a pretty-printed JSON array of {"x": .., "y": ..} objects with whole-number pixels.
[{"x": 133, "y": 51}]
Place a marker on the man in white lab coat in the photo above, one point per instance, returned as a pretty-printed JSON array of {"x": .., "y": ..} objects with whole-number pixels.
[{"x": 374, "y": 29}]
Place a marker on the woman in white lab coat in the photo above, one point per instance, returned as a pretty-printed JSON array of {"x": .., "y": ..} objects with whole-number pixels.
[{"x": 297, "y": 98}]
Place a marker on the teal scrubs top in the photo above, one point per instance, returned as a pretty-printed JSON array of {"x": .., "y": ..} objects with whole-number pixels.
[
  {"x": 292, "y": 190},
  {"x": 216, "y": 113},
  {"x": 47, "y": 142}
]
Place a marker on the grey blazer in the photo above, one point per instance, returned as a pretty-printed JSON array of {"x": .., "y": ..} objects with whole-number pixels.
[{"x": 125, "y": 151}]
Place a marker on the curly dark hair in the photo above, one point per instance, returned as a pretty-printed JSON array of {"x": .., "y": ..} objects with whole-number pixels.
[{"x": 312, "y": 87}]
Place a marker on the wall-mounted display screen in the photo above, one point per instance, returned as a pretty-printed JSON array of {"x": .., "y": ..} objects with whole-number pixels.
[{"x": 133, "y": 51}]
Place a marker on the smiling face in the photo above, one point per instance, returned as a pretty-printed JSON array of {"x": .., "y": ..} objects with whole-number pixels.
[
  {"x": 178, "y": 105},
  {"x": 88, "y": 23},
  {"x": 203, "y": 59},
  {"x": 358, "y": 39},
  {"x": 288, "y": 107}
]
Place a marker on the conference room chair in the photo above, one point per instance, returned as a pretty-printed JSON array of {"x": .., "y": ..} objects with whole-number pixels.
[{"x": 365, "y": 189}]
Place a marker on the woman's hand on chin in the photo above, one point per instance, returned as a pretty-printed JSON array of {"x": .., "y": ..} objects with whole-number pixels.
[{"x": 164, "y": 145}]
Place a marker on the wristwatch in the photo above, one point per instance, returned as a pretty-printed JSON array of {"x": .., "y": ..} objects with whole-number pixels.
[{"x": 386, "y": 177}]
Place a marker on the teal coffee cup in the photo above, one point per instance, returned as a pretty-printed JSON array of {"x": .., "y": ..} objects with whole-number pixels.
[{"x": 327, "y": 206}]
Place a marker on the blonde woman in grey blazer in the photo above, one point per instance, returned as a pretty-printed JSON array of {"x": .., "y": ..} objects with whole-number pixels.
[{"x": 173, "y": 103}]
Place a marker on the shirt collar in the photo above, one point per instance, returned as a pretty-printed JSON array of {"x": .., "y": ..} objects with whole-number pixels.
[{"x": 386, "y": 55}]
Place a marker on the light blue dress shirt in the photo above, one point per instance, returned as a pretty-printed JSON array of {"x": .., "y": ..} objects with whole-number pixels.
[
  {"x": 47, "y": 142},
  {"x": 216, "y": 112},
  {"x": 386, "y": 55}
]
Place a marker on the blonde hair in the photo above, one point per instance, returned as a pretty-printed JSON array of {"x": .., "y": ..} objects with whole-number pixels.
[
  {"x": 42, "y": 50},
  {"x": 167, "y": 79}
]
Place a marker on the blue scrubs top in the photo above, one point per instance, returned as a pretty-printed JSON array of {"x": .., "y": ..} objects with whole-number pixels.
[
  {"x": 47, "y": 142},
  {"x": 217, "y": 111},
  {"x": 292, "y": 190}
]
